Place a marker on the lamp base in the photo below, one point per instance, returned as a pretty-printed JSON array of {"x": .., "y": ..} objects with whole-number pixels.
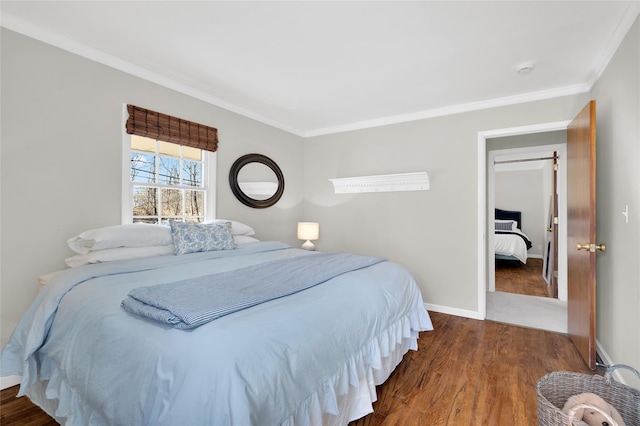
[{"x": 308, "y": 245}]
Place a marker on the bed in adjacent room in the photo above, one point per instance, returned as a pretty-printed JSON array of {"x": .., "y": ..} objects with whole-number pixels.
[
  {"x": 135, "y": 334},
  {"x": 510, "y": 242}
]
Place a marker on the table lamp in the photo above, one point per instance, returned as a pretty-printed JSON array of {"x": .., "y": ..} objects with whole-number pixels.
[{"x": 308, "y": 231}]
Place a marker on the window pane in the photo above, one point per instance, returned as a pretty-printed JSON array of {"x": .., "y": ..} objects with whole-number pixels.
[
  {"x": 194, "y": 203},
  {"x": 164, "y": 166},
  {"x": 143, "y": 167},
  {"x": 151, "y": 220},
  {"x": 171, "y": 202},
  {"x": 192, "y": 173},
  {"x": 145, "y": 201},
  {"x": 169, "y": 171}
]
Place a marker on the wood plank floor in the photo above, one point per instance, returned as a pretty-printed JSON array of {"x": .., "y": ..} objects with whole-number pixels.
[
  {"x": 514, "y": 277},
  {"x": 21, "y": 411},
  {"x": 466, "y": 372},
  {"x": 469, "y": 372}
]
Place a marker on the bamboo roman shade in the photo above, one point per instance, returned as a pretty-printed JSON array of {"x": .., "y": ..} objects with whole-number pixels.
[{"x": 151, "y": 124}]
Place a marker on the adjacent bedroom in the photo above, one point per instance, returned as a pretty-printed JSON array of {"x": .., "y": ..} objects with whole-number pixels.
[{"x": 526, "y": 273}]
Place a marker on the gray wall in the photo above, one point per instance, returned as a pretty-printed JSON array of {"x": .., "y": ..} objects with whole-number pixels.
[
  {"x": 61, "y": 160},
  {"x": 523, "y": 141},
  {"x": 523, "y": 190},
  {"x": 433, "y": 233},
  {"x": 617, "y": 95}
]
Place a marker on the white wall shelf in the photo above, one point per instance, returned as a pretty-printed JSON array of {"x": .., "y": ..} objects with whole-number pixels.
[
  {"x": 418, "y": 181},
  {"x": 259, "y": 188}
]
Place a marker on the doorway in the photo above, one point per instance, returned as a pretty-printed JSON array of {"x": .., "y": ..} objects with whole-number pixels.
[
  {"x": 518, "y": 309},
  {"x": 524, "y": 186}
]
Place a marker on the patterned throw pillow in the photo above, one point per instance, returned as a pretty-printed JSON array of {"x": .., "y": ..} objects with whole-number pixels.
[
  {"x": 504, "y": 226},
  {"x": 196, "y": 237}
]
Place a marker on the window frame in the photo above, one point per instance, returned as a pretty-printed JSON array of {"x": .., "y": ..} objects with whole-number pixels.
[{"x": 209, "y": 162}]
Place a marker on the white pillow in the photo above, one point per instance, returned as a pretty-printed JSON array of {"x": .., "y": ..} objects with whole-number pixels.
[
  {"x": 120, "y": 253},
  {"x": 237, "y": 228},
  {"x": 132, "y": 235},
  {"x": 244, "y": 239}
]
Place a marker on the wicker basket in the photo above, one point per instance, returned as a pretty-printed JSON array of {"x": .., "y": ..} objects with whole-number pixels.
[{"x": 556, "y": 388}]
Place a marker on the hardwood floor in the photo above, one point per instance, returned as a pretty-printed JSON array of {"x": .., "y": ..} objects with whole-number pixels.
[
  {"x": 469, "y": 372},
  {"x": 21, "y": 411},
  {"x": 466, "y": 372},
  {"x": 514, "y": 277}
]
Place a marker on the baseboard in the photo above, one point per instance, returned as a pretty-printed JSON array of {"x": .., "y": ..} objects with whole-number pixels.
[
  {"x": 453, "y": 311},
  {"x": 9, "y": 381},
  {"x": 606, "y": 359},
  {"x": 603, "y": 354}
]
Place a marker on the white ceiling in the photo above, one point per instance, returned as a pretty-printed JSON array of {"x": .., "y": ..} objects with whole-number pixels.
[{"x": 318, "y": 67}]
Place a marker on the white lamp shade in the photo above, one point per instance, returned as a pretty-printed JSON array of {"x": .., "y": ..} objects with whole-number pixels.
[{"x": 308, "y": 230}]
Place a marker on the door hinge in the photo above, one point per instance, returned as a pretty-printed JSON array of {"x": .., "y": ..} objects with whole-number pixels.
[
  {"x": 555, "y": 167},
  {"x": 555, "y": 220}
]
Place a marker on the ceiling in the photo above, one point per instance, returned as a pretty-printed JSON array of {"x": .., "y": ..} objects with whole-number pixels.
[{"x": 319, "y": 67}]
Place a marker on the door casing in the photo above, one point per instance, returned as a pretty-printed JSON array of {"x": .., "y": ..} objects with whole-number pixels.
[{"x": 483, "y": 234}]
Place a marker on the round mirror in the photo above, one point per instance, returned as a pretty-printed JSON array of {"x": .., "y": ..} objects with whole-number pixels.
[{"x": 256, "y": 181}]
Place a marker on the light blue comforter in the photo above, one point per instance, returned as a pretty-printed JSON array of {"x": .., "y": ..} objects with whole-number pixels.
[{"x": 263, "y": 365}]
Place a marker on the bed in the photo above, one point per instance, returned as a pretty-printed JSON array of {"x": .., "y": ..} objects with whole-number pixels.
[
  {"x": 510, "y": 242},
  {"x": 310, "y": 356}
]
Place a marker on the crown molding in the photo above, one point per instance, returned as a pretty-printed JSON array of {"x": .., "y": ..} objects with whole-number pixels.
[
  {"x": 23, "y": 27},
  {"x": 621, "y": 31},
  {"x": 12, "y": 23},
  {"x": 455, "y": 109}
]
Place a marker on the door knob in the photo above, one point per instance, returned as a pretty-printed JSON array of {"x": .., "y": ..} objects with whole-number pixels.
[{"x": 592, "y": 247}]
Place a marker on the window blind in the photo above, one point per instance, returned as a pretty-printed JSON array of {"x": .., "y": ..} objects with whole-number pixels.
[{"x": 152, "y": 124}]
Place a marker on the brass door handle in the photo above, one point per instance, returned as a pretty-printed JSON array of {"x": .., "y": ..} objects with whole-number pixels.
[{"x": 592, "y": 247}]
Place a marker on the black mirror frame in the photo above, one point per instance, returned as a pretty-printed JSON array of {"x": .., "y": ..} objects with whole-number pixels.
[{"x": 244, "y": 198}]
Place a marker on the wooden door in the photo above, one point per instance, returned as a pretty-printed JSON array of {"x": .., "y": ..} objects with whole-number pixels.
[
  {"x": 581, "y": 232},
  {"x": 550, "y": 263},
  {"x": 554, "y": 228}
]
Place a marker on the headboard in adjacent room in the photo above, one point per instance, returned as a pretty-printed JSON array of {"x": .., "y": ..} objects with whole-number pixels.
[{"x": 509, "y": 215}]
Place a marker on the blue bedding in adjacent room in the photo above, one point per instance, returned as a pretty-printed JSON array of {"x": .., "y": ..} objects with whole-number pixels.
[{"x": 307, "y": 358}]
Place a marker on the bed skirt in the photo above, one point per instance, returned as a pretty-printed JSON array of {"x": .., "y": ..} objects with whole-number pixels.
[{"x": 347, "y": 396}]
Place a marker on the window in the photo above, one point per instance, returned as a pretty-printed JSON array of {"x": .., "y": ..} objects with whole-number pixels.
[{"x": 164, "y": 179}]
